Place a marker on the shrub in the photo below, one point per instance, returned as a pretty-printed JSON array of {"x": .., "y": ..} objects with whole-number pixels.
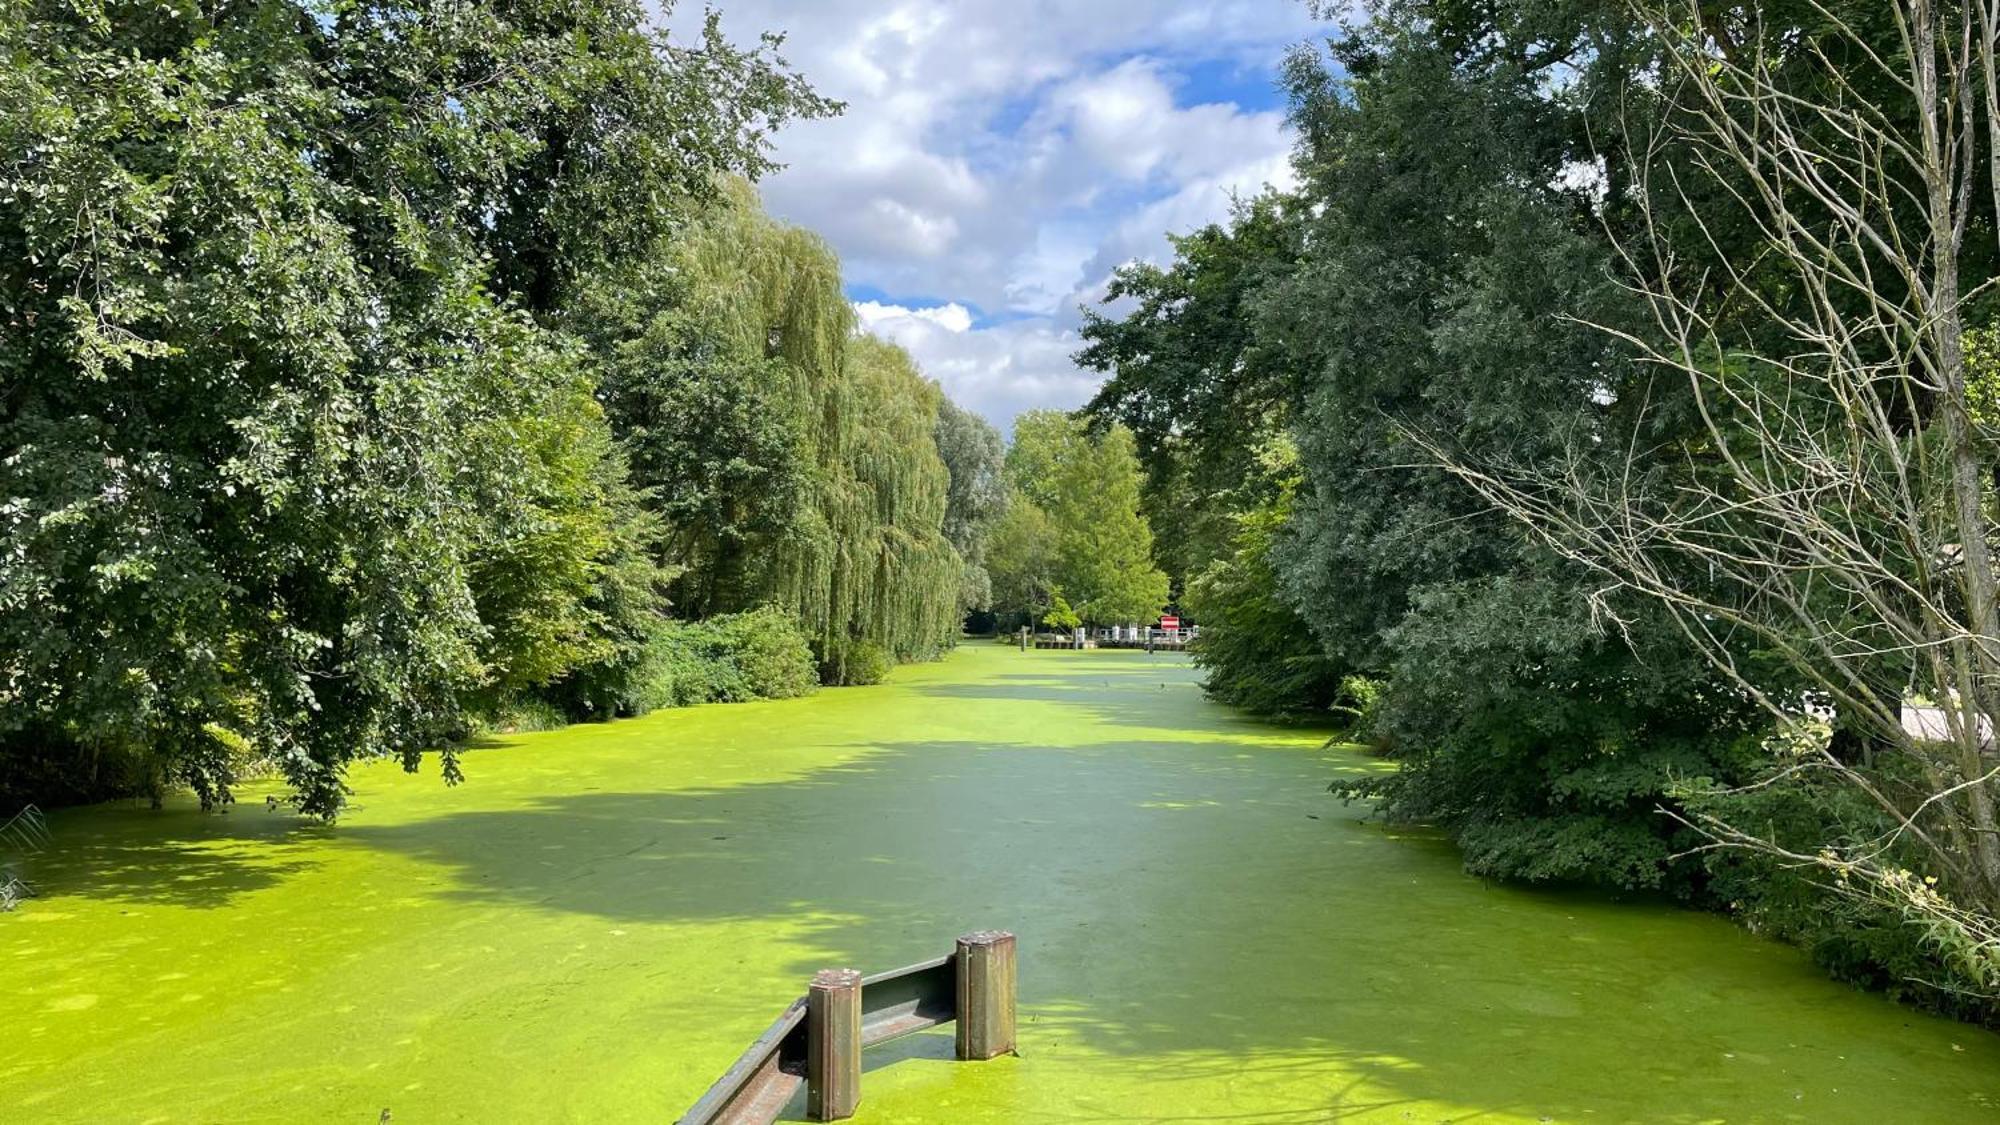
[
  {"x": 768, "y": 652},
  {"x": 1360, "y": 702},
  {"x": 1545, "y": 747},
  {"x": 852, "y": 663},
  {"x": 760, "y": 654},
  {"x": 523, "y": 715},
  {"x": 634, "y": 680},
  {"x": 1854, "y": 936}
]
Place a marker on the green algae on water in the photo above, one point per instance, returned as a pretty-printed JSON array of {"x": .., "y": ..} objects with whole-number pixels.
[{"x": 595, "y": 924}]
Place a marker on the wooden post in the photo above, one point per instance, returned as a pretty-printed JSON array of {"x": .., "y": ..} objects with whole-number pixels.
[
  {"x": 833, "y": 1044},
  {"x": 985, "y": 995},
  {"x": 1024, "y": 638}
]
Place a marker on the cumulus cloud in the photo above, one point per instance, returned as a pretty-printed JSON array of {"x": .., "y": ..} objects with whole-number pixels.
[
  {"x": 998, "y": 370},
  {"x": 997, "y": 161}
]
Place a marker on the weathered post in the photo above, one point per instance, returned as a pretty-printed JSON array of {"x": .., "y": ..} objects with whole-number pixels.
[
  {"x": 833, "y": 1044},
  {"x": 985, "y": 995},
  {"x": 1024, "y": 638}
]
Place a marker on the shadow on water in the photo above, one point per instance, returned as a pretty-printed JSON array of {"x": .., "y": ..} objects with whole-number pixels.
[
  {"x": 1209, "y": 919},
  {"x": 175, "y": 857}
]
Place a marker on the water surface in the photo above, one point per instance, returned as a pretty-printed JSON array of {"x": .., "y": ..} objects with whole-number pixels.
[{"x": 597, "y": 922}]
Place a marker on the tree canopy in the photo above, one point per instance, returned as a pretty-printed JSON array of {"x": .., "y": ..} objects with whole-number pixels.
[
  {"x": 1597, "y": 362},
  {"x": 1074, "y": 526},
  {"x": 371, "y": 367}
]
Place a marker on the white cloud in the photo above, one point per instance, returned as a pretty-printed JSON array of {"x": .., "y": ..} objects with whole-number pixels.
[
  {"x": 998, "y": 370},
  {"x": 886, "y": 318},
  {"x": 1002, "y": 159}
]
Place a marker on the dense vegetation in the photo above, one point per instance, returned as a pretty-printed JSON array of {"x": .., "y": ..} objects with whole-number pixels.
[
  {"x": 1496, "y": 429},
  {"x": 372, "y": 372},
  {"x": 1606, "y": 422}
]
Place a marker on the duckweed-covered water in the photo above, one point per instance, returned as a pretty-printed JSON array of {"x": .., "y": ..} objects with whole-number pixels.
[{"x": 597, "y": 922}]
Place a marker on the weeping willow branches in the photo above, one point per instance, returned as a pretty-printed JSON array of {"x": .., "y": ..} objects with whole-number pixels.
[{"x": 864, "y": 558}]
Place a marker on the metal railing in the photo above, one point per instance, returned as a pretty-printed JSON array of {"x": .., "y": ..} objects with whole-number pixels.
[
  {"x": 24, "y": 833},
  {"x": 817, "y": 1042}
]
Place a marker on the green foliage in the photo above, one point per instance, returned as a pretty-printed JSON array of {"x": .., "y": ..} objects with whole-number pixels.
[
  {"x": 286, "y": 459},
  {"x": 1060, "y": 616},
  {"x": 518, "y": 715},
  {"x": 809, "y": 466},
  {"x": 1020, "y": 556},
  {"x": 1439, "y": 283},
  {"x": 1542, "y": 744},
  {"x": 709, "y": 427},
  {"x": 1096, "y": 544},
  {"x": 1194, "y": 378},
  {"x": 1855, "y": 937},
  {"x": 853, "y": 663},
  {"x": 734, "y": 658},
  {"x": 974, "y": 455},
  {"x": 1259, "y": 654},
  {"x": 1359, "y": 699}
]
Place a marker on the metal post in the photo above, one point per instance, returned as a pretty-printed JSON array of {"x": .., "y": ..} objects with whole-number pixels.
[
  {"x": 985, "y": 994},
  {"x": 833, "y": 1044}
]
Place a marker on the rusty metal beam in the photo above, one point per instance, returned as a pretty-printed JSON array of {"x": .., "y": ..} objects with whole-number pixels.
[
  {"x": 907, "y": 1000},
  {"x": 756, "y": 1089},
  {"x": 899, "y": 1002}
]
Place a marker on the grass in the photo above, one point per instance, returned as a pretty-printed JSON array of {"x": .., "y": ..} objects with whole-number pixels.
[{"x": 597, "y": 922}]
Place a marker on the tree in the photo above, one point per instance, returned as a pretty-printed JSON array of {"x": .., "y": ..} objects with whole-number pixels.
[
  {"x": 795, "y": 461},
  {"x": 1020, "y": 555},
  {"x": 896, "y": 565},
  {"x": 1835, "y": 512},
  {"x": 1259, "y": 653},
  {"x": 287, "y": 463},
  {"x": 1193, "y": 377},
  {"x": 711, "y": 424},
  {"x": 1060, "y": 615},
  {"x": 974, "y": 455},
  {"x": 1104, "y": 546},
  {"x": 1087, "y": 487},
  {"x": 1434, "y": 247}
]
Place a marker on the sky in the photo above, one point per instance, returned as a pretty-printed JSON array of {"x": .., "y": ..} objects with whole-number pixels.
[{"x": 999, "y": 158}]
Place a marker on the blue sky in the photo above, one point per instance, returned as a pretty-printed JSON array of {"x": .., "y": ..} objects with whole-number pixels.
[{"x": 998, "y": 160}]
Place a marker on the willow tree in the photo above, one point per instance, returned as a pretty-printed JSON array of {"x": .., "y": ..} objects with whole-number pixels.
[
  {"x": 895, "y": 575},
  {"x": 857, "y": 551}
]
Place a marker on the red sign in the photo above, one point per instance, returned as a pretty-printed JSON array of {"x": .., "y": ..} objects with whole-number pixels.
[{"x": 1170, "y": 622}]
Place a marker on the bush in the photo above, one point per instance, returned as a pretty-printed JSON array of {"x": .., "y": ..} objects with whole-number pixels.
[
  {"x": 1868, "y": 943},
  {"x": 1360, "y": 702},
  {"x": 852, "y": 663},
  {"x": 769, "y": 653},
  {"x": 1545, "y": 747},
  {"x": 760, "y": 654},
  {"x": 522, "y": 715},
  {"x": 633, "y": 682}
]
